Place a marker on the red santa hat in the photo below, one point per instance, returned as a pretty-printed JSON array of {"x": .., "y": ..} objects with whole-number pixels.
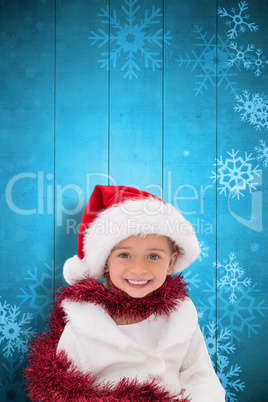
[{"x": 114, "y": 213}]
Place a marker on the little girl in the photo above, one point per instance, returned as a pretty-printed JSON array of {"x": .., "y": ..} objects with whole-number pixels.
[{"x": 134, "y": 337}]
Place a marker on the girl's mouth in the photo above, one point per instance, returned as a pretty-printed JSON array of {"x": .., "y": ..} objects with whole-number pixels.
[{"x": 137, "y": 283}]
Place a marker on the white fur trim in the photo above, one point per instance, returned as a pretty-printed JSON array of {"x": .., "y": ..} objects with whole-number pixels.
[
  {"x": 179, "y": 325},
  {"x": 74, "y": 269},
  {"x": 133, "y": 217}
]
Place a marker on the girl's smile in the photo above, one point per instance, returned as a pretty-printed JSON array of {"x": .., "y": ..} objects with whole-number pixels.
[{"x": 137, "y": 283}]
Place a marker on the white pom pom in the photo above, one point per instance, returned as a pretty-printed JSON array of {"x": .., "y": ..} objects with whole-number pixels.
[{"x": 74, "y": 270}]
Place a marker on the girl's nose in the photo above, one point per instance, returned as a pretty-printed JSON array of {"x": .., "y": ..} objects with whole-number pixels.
[{"x": 138, "y": 267}]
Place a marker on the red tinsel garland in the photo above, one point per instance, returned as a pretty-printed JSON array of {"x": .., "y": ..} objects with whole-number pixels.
[
  {"x": 52, "y": 377},
  {"x": 117, "y": 303}
]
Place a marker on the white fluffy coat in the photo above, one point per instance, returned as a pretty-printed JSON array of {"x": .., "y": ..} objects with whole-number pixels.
[{"x": 95, "y": 344}]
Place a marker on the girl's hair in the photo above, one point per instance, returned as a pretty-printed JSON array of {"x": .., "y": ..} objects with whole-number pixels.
[{"x": 173, "y": 246}]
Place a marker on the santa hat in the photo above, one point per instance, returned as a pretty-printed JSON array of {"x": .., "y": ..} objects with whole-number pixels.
[{"x": 114, "y": 213}]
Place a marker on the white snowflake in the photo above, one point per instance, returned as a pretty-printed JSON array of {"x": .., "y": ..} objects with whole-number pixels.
[
  {"x": 262, "y": 151},
  {"x": 237, "y": 21},
  {"x": 219, "y": 348},
  {"x": 258, "y": 63},
  {"x": 210, "y": 62},
  {"x": 231, "y": 280},
  {"x": 240, "y": 56},
  {"x": 235, "y": 174},
  {"x": 253, "y": 109},
  {"x": 131, "y": 38},
  {"x": 246, "y": 58},
  {"x": 38, "y": 290},
  {"x": 15, "y": 331},
  {"x": 203, "y": 251}
]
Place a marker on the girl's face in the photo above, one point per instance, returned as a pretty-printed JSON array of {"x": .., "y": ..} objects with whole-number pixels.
[{"x": 139, "y": 265}]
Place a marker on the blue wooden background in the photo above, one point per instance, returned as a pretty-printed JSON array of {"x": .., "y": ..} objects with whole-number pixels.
[{"x": 169, "y": 96}]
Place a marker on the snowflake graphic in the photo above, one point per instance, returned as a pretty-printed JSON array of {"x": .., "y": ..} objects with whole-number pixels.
[
  {"x": 228, "y": 381},
  {"x": 200, "y": 315},
  {"x": 15, "y": 331},
  {"x": 203, "y": 251},
  {"x": 262, "y": 151},
  {"x": 254, "y": 247},
  {"x": 232, "y": 281},
  {"x": 186, "y": 154},
  {"x": 3, "y": 312},
  {"x": 258, "y": 63},
  {"x": 240, "y": 56},
  {"x": 12, "y": 386},
  {"x": 191, "y": 281},
  {"x": 38, "y": 293},
  {"x": 235, "y": 174},
  {"x": 219, "y": 348},
  {"x": 239, "y": 316},
  {"x": 237, "y": 22},
  {"x": 215, "y": 341},
  {"x": 131, "y": 38},
  {"x": 253, "y": 109},
  {"x": 246, "y": 58},
  {"x": 210, "y": 62}
]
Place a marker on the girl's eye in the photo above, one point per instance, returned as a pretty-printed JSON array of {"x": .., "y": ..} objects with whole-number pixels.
[
  {"x": 124, "y": 255},
  {"x": 153, "y": 257}
]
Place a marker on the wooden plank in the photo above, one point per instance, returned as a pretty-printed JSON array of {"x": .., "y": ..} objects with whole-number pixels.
[
  {"x": 242, "y": 225},
  {"x": 190, "y": 138},
  {"x": 136, "y": 94},
  {"x": 81, "y": 140},
  {"x": 27, "y": 110}
]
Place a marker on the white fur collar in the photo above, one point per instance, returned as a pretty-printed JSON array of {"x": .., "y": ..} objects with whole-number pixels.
[{"x": 92, "y": 321}]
